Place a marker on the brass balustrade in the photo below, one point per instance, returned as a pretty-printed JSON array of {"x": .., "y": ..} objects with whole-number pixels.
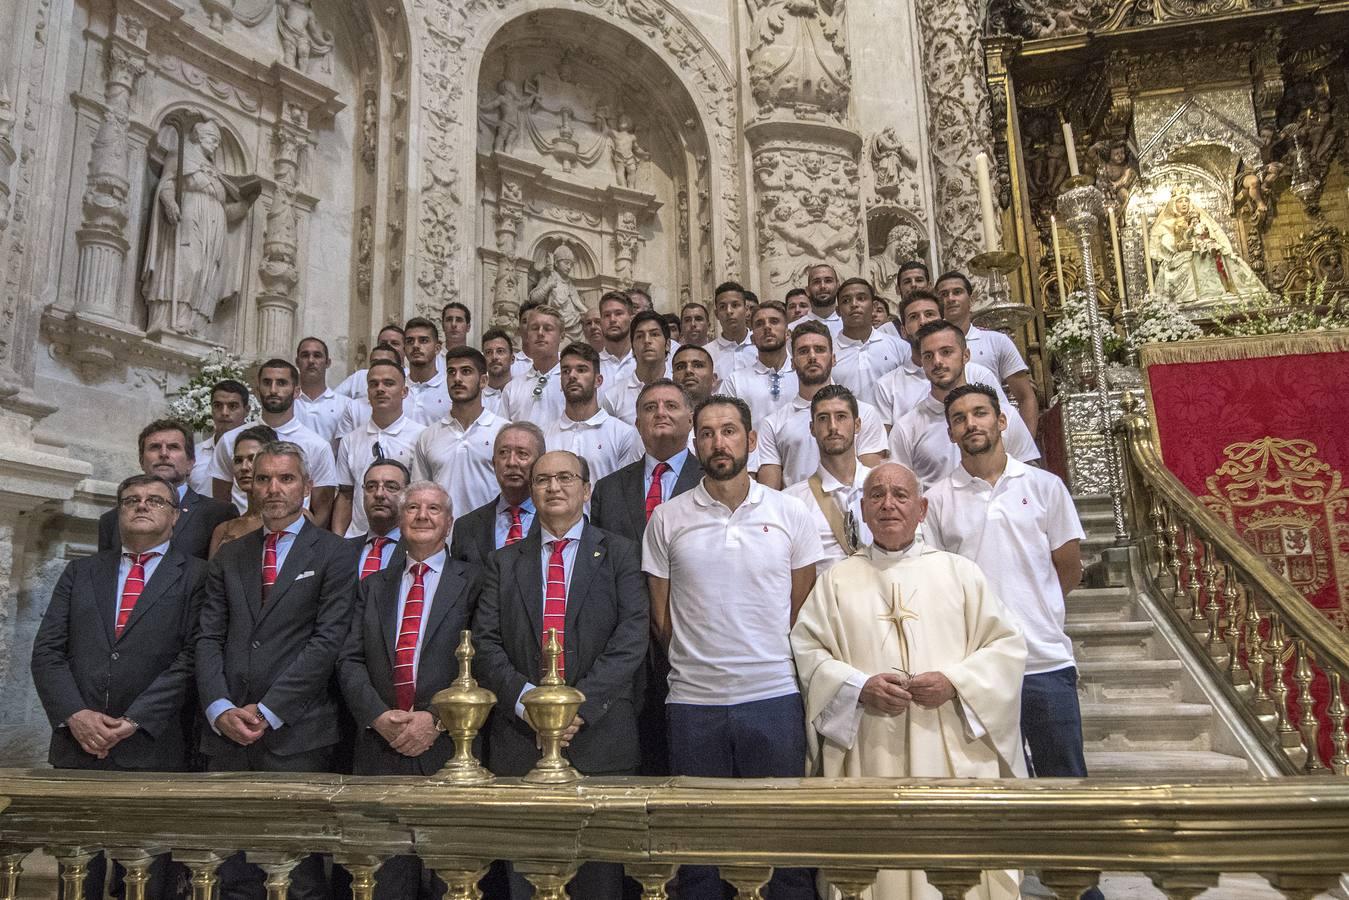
[
  {"x": 1293, "y": 832},
  {"x": 1268, "y": 648}
]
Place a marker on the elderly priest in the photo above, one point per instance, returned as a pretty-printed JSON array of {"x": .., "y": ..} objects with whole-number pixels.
[{"x": 896, "y": 608}]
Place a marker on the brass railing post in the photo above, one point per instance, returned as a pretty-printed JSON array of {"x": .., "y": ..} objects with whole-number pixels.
[
  {"x": 11, "y": 868},
  {"x": 850, "y": 882},
  {"x": 73, "y": 864},
  {"x": 1069, "y": 883},
  {"x": 653, "y": 877},
  {"x": 748, "y": 881},
  {"x": 277, "y": 867},
  {"x": 461, "y": 876},
  {"x": 136, "y": 861},
  {"x": 362, "y": 869},
  {"x": 549, "y": 879},
  {"x": 203, "y": 865},
  {"x": 1236, "y": 675},
  {"x": 1183, "y": 885},
  {"x": 1339, "y": 739},
  {"x": 1308, "y": 725},
  {"x": 953, "y": 884}
]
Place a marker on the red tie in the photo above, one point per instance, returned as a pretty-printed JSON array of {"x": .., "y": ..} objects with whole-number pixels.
[
  {"x": 375, "y": 558},
  {"x": 269, "y": 562},
  {"x": 405, "y": 651},
  {"x": 517, "y": 531},
  {"x": 555, "y": 601},
  {"x": 653, "y": 492},
  {"x": 131, "y": 591}
]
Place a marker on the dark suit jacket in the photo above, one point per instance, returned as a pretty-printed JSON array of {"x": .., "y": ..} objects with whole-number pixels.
[
  {"x": 357, "y": 545},
  {"x": 145, "y": 675},
  {"x": 474, "y": 535},
  {"x": 366, "y": 666},
  {"x": 618, "y": 503},
  {"x": 605, "y": 642},
  {"x": 197, "y": 518},
  {"x": 284, "y": 654}
]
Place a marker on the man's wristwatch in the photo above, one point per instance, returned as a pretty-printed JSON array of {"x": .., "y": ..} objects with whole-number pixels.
[{"x": 134, "y": 724}]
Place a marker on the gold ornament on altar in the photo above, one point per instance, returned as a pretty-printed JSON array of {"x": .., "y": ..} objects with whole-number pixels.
[
  {"x": 462, "y": 708},
  {"x": 551, "y": 708}
]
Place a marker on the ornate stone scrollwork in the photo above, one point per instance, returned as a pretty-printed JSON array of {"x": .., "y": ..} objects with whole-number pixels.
[
  {"x": 1048, "y": 18},
  {"x": 798, "y": 58},
  {"x": 808, "y": 210},
  {"x": 1321, "y": 254}
]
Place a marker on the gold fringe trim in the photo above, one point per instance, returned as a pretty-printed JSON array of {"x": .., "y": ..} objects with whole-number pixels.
[{"x": 1224, "y": 349}]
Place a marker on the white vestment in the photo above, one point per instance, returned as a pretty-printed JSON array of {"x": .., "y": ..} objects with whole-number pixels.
[{"x": 919, "y": 610}]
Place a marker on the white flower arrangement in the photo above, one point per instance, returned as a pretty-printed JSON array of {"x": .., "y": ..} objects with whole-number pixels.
[
  {"x": 1158, "y": 320},
  {"x": 192, "y": 404},
  {"x": 1071, "y": 331},
  {"x": 1275, "y": 314}
]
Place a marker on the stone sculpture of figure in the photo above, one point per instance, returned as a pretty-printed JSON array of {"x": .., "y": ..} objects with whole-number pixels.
[
  {"x": 901, "y": 245},
  {"x": 189, "y": 263},
  {"x": 1255, "y": 187},
  {"x": 556, "y": 289},
  {"x": 1195, "y": 260},
  {"x": 504, "y": 113},
  {"x": 1116, "y": 171},
  {"x": 626, "y": 153},
  {"x": 302, "y": 40},
  {"x": 889, "y": 161}
]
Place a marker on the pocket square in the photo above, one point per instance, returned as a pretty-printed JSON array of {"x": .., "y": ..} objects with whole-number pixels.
[{"x": 304, "y": 574}]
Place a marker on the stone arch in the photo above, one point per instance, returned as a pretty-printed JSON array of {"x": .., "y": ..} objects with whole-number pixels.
[{"x": 450, "y": 55}]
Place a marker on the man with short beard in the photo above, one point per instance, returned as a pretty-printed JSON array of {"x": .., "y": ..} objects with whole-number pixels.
[
  {"x": 693, "y": 369},
  {"x": 918, "y": 439},
  {"x": 616, "y": 359},
  {"x": 498, "y": 351},
  {"x": 694, "y": 325},
  {"x": 456, "y": 451},
  {"x": 734, "y": 708},
  {"x": 768, "y": 383},
  {"x": 382, "y": 487},
  {"x": 506, "y": 519},
  {"x": 278, "y": 382},
  {"x": 536, "y": 396},
  {"x": 425, "y": 378},
  {"x": 822, "y": 285},
  {"x": 604, "y": 441},
  {"x": 388, "y": 435}
]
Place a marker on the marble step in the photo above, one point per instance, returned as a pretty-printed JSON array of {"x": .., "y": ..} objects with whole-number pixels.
[
  {"x": 1131, "y": 727},
  {"x": 1130, "y": 680},
  {"x": 1172, "y": 765},
  {"x": 1100, "y": 604},
  {"x": 1094, "y": 641}
]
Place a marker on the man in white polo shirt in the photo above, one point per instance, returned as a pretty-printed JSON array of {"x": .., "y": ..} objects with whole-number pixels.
[
  {"x": 616, "y": 359},
  {"x": 317, "y": 406},
  {"x": 729, "y": 564},
  {"x": 862, "y": 354},
  {"x": 388, "y": 435},
  {"x": 834, "y": 493},
  {"x": 456, "y": 452},
  {"x": 1019, "y": 524},
  {"x": 602, "y": 440},
  {"x": 278, "y": 382},
  {"x": 991, "y": 349},
  {"x": 787, "y": 452},
  {"x": 822, "y": 285},
  {"x": 732, "y": 348},
  {"x": 536, "y": 396},
  {"x": 769, "y": 382},
  {"x": 426, "y": 378},
  {"x": 919, "y": 439},
  {"x": 353, "y": 386},
  {"x": 649, "y": 335}
]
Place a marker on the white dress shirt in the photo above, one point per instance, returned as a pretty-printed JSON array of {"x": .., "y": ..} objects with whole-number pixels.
[
  {"x": 569, "y": 552},
  {"x": 785, "y": 439},
  {"x": 668, "y": 478},
  {"x": 502, "y": 523},
  {"x": 124, "y": 569},
  {"x": 754, "y": 384},
  {"x": 859, "y": 364},
  {"x": 394, "y": 536},
  {"x": 459, "y": 459},
  {"x": 605, "y": 442},
  {"x": 534, "y": 397},
  {"x": 357, "y": 454},
  {"x": 435, "y": 567},
  {"x": 322, "y": 414}
]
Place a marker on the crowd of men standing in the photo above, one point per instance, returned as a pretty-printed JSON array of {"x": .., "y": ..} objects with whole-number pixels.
[{"x": 286, "y": 595}]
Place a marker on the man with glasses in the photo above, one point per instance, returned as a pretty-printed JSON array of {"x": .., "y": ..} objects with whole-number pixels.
[
  {"x": 112, "y": 660},
  {"x": 585, "y": 585},
  {"x": 380, "y": 546},
  {"x": 388, "y": 435},
  {"x": 508, "y": 517},
  {"x": 536, "y": 396},
  {"x": 166, "y": 451}
]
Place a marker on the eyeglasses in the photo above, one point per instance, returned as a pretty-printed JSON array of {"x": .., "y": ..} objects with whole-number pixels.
[
  {"x": 563, "y": 479},
  {"x": 152, "y": 501},
  {"x": 542, "y": 383}
]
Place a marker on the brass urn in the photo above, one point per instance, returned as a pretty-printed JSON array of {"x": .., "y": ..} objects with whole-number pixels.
[
  {"x": 462, "y": 708},
  {"x": 551, "y": 708}
]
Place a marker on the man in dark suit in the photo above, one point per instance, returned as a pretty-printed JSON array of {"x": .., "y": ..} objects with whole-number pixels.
[
  {"x": 399, "y": 653},
  {"x": 382, "y": 546},
  {"x": 595, "y": 599},
  {"x": 166, "y": 449},
  {"x": 508, "y": 518},
  {"x": 112, "y": 660},
  {"x": 622, "y": 503},
  {"x": 275, "y": 615}
]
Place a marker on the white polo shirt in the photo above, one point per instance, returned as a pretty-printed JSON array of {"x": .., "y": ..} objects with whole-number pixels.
[
  {"x": 357, "y": 453},
  {"x": 848, "y": 499},
  {"x": 785, "y": 439},
  {"x": 900, "y": 391},
  {"x": 994, "y": 351},
  {"x": 1010, "y": 528},
  {"x": 358, "y": 412},
  {"x": 534, "y": 397},
  {"x": 521, "y": 364},
  {"x": 199, "y": 479},
  {"x": 858, "y": 365},
  {"x": 318, "y": 456},
  {"x": 460, "y": 459},
  {"x": 322, "y": 414},
  {"x": 730, "y": 576},
  {"x": 920, "y": 441},
  {"x": 430, "y": 399},
  {"x": 614, "y": 368},
  {"x": 833, "y": 321},
  {"x": 353, "y": 386},
  {"x": 727, "y": 355},
  {"x": 604, "y": 441},
  {"x": 620, "y": 398},
  {"x": 491, "y": 398},
  {"x": 754, "y": 383}
]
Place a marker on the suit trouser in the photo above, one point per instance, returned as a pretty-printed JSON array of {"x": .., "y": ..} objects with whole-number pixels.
[
  {"x": 762, "y": 739},
  {"x": 240, "y": 879}
]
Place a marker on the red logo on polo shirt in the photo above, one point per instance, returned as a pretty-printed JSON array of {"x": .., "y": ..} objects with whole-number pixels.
[
  {"x": 765, "y": 529},
  {"x": 1025, "y": 502}
]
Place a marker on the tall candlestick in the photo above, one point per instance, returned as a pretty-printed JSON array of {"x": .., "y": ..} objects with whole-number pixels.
[
  {"x": 1114, "y": 249},
  {"x": 986, "y": 202},
  {"x": 1058, "y": 257},
  {"x": 1071, "y": 146},
  {"x": 1146, "y": 240}
]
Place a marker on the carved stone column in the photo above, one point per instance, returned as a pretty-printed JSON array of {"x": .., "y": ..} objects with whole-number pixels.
[
  {"x": 804, "y": 150},
  {"x": 958, "y": 121},
  {"x": 101, "y": 238},
  {"x": 278, "y": 272},
  {"x": 506, "y": 285},
  {"x": 7, "y": 153}
]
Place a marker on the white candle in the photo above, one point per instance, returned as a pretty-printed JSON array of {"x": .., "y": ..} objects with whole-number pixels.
[
  {"x": 1146, "y": 241},
  {"x": 1058, "y": 257},
  {"x": 986, "y": 202},
  {"x": 1071, "y": 146},
  {"x": 1114, "y": 249}
]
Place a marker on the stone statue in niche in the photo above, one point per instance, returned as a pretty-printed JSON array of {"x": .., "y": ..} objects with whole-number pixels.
[
  {"x": 369, "y": 131},
  {"x": 190, "y": 262},
  {"x": 902, "y": 243},
  {"x": 302, "y": 40},
  {"x": 503, "y": 113},
  {"x": 890, "y": 163},
  {"x": 1046, "y": 163},
  {"x": 555, "y": 288},
  {"x": 626, "y": 153},
  {"x": 1194, "y": 258},
  {"x": 1116, "y": 171}
]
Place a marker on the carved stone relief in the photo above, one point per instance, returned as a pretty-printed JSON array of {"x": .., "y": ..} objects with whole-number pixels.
[
  {"x": 893, "y": 170},
  {"x": 798, "y": 57},
  {"x": 808, "y": 210}
]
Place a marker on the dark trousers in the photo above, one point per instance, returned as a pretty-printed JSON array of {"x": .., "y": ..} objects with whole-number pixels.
[
  {"x": 1051, "y": 724},
  {"x": 240, "y": 879},
  {"x": 763, "y": 739}
]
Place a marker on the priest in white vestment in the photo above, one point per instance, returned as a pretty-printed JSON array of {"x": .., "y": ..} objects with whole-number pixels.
[{"x": 910, "y": 666}]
